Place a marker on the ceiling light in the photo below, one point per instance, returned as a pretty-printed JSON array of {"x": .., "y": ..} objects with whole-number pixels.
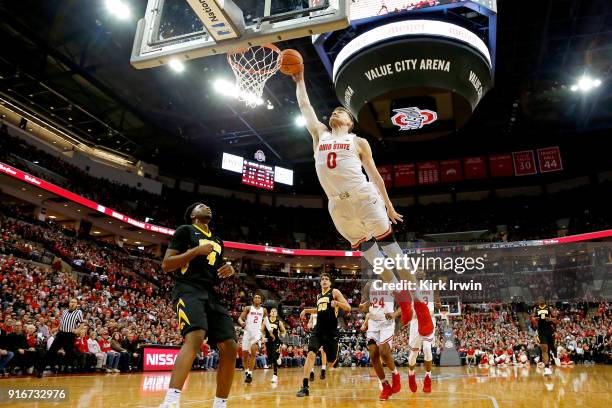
[
  {"x": 52, "y": 217},
  {"x": 269, "y": 106},
  {"x": 229, "y": 88},
  {"x": 137, "y": 242},
  {"x": 585, "y": 84},
  {"x": 118, "y": 9},
  {"x": 300, "y": 121},
  {"x": 96, "y": 232},
  {"x": 176, "y": 65}
]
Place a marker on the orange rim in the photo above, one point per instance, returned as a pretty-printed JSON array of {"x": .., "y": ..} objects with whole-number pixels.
[{"x": 239, "y": 67}]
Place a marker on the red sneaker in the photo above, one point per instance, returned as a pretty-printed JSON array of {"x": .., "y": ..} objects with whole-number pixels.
[
  {"x": 386, "y": 392},
  {"x": 396, "y": 383},
  {"x": 405, "y": 303},
  {"x": 412, "y": 382},
  {"x": 427, "y": 384},
  {"x": 426, "y": 326}
]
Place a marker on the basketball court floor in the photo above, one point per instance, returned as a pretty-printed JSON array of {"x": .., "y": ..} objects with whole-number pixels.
[{"x": 581, "y": 386}]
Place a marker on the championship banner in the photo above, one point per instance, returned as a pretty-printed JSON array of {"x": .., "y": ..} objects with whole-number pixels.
[
  {"x": 404, "y": 175},
  {"x": 501, "y": 165},
  {"x": 429, "y": 172},
  {"x": 451, "y": 171},
  {"x": 474, "y": 167},
  {"x": 549, "y": 159},
  {"x": 524, "y": 163},
  {"x": 386, "y": 172}
]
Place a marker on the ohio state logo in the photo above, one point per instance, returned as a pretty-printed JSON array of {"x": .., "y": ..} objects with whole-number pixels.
[{"x": 413, "y": 118}]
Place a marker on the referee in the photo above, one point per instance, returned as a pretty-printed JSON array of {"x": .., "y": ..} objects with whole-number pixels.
[{"x": 66, "y": 336}]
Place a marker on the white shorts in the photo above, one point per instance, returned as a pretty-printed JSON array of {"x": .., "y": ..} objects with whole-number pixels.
[
  {"x": 249, "y": 338},
  {"x": 381, "y": 331},
  {"x": 416, "y": 340},
  {"x": 361, "y": 216}
]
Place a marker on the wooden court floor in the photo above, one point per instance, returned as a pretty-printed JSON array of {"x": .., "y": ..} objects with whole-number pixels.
[{"x": 581, "y": 386}]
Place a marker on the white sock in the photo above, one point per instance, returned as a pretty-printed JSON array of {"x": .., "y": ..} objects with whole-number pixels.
[
  {"x": 220, "y": 403},
  {"x": 172, "y": 395},
  {"x": 323, "y": 368}
]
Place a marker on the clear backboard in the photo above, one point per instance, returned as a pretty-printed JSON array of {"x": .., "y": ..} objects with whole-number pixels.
[{"x": 189, "y": 29}]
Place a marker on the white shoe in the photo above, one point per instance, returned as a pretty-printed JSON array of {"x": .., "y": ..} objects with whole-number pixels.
[
  {"x": 116, "y": 370},
  {"x": 547, "y": 371},
  {"x": 274, "y": 379},
  {"x": 169, "y": 405}
]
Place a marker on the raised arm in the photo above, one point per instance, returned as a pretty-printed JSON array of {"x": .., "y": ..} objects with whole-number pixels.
[
  {"x": 367, "y": 161},
  {"x": 313, "y": 125}
]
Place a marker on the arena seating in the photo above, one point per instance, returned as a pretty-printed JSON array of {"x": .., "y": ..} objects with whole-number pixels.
[{"x": 525, "y": 217}]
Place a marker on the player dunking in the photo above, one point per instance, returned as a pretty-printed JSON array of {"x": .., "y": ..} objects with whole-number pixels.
[
  {"x": 361, "y": 211},
  {"x": 197, "y": 256},
  {"x": 380, "y": 329},
  {"x": 326, "y": 330},
  {"x": 272, "y": 329},
  {"x": 546, "y": 318},
  {"x": 251, "y": 338}
]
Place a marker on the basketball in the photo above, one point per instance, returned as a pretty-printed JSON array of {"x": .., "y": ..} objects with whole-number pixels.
[{"x": 291, "y": 62}]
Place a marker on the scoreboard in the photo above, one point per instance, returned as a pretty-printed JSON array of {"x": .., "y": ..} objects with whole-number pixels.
[{"x": 258, "y": 175}]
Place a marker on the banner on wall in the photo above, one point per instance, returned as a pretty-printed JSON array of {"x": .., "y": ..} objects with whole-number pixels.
[
  {"x": 404, "y": 175},
  {"x": 549, "y": 159},
  {"x": 501, "y": 165},
  {"x": 450, "y": 171},
  {"x": 524, "y": 163},
  {"x": 474, "y": 167},
  {"x": 429, "y": 172}
]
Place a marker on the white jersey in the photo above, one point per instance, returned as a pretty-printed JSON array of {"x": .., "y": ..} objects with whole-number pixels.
[
  {"x": 254, "y": 319},
  {"x": 338, "y": 164},
  {"x": 381, "y": 302}
]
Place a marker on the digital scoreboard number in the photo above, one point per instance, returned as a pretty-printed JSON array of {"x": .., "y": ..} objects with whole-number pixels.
[{"x": 258, "y": 175}]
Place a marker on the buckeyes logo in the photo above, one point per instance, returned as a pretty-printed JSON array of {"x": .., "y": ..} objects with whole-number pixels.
[{"x": 413, "y": 118}]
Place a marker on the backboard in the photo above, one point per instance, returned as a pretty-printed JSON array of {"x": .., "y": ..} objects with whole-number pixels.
[{"x": 189, "y": 29}]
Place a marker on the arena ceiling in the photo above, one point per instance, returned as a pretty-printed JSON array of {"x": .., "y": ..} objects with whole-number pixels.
[{"x": 69, "y": 60}]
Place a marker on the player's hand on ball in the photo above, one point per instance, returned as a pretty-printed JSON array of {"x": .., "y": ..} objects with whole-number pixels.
[
  {"x": 225, "y": 271},
  {"x": 203, "y": 250},
  {"x": 298, "y": 76},
  {"x": 394, "y": 216}
]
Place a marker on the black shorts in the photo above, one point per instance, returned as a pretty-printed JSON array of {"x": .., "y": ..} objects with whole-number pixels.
[
  {"x": 197, "y": 308},
  {"x": 329, "y": 342},
  {"x": 273, "y": 348},
  {"x": 547, "y": 337}
]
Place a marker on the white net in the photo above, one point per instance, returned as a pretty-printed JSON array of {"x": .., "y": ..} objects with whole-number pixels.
[{"x": 253, "y": 67}]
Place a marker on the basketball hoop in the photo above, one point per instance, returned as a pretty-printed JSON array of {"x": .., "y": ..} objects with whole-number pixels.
[{"x": 253, "y": 67}]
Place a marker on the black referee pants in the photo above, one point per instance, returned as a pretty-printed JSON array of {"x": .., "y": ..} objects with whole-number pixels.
[{"x": 65, "y": 341}]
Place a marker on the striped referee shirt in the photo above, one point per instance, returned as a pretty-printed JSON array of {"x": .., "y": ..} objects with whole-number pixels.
[{"x": 70, "y": 320}]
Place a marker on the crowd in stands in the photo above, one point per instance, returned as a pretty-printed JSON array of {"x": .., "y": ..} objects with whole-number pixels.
[{"x": 530, "y": 217}]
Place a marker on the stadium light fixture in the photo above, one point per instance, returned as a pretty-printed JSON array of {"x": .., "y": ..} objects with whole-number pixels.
[
  {"x": 176, "y": 65},
  {"x": 300, "y": 121},
  {"x": 118, "y": 9},
  {"x": 585, "y": 84},
  {"x": 229, "y": 88}
]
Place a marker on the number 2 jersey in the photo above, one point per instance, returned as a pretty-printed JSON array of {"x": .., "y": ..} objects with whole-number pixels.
[
  {"x": 338, "y": 164},
  {"x": 201, "y": 270}
]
